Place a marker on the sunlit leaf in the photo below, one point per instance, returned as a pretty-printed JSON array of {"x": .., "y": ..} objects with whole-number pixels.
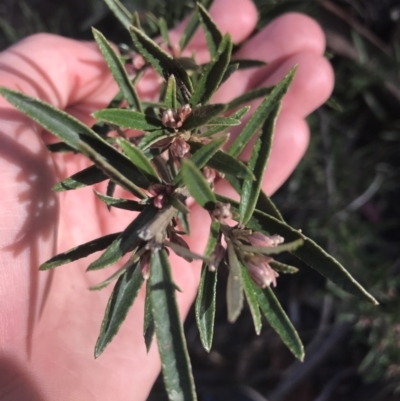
[
  {"x": 234, "y": 286},
  {"x": 259, "y": 116},
  {"x": 161, "y": 61},
  {"x": 139, "y": 160},
  {"x": 278, "y": 320},
  {"x": 227, "y": 121},
  {"x": 257, "y": 163},
  {"x": 212, "y": 33},
  {"x": 170, "y": 94},
  {"x": 212, "y": 75},
  {"x": 192, "y": 26},
  {"x": 125, "y": 241},
  {"x": 120, "y": 12},
  {"x": 309, "y": 252},
  {"x": 120, "y": 203},
  {"x": 197, "y": 185},
  {"x": 171, "y": 342},
  {"x": 121, "y": 300},
  {"x": 206, "y": 295},
  {"x": 113, "y": 277},
  {"x": 129, "y": 119},
  {"x": 249, "y": 97},
  {"x": 89, "y": 176},
  {"x": 117, "y": 70},
  {"x": 80, "y": 251},
  {"x": 248, "y": 286}
]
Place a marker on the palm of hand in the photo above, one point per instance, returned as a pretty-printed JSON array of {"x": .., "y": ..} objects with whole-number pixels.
[{"x": 54, "y": 352}]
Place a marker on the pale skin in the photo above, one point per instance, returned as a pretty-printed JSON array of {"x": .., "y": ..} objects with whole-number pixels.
[{"x": 50, "y": 322}]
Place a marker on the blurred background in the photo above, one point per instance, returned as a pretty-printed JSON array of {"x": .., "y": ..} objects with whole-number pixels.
[{"x": 345, "y": 194}]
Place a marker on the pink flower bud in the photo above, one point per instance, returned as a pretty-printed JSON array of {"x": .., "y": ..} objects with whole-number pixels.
[
  {"x": 179, "y": 147},
  {"x": 221, "y": 211},
  {"x": 183, "y": 112},
  {"x": 216, "y": 257},
  {"x": 145, "y": 265},
  {"x": 169, "y": 119},
  {"x": 209, "y": 174},
  {"x": 260, "y": 270},
  {"x": 259, "y": 239}
]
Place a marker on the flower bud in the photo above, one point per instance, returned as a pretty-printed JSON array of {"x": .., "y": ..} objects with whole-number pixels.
[
  {"x": 260, "y": 270},
  {"x": 179, "y": 147},
  {"x": 145, "y": 265},
  {"x": 183, "y": 112},
  {"x": 216, "y": 257},
  {"x": 209, "y": 174},
  {"x": 221, "y": 211},
  {"x": 169, "y": 119},
  {"x": 259, "y": 239}
]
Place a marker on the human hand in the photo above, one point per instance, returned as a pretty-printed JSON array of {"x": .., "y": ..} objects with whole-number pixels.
[{"x": 49, "y": 320}]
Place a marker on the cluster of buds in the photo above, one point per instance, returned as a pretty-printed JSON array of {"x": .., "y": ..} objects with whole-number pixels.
[
  {"x": 260, "y": 270},
  {"x": 179, "y": 147},
  {"x": 160, "y": 193},
  {"x": 175, "y": 118},
  {"x": 260, "y": 239},
  {"x": 221, "y": 212}
]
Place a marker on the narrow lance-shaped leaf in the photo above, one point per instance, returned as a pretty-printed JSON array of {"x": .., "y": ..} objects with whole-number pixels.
[
  {"x": 129, "y": 119},
  {"x": 213, "y": 73},
  {"x": 89, "y": 176},
  {"x": 248, "y": 286},
  {"x": 257, "y": 163},
  {"x": 125, "y": 241},
  {"x": 226, "y": 121},
  {"x": 139, "y": 160},
  {"x": 274, "y": 250},
  {"x": 170, "y": 94},
  {"x": 120, "y": 12},
  {"x": 121, "y": 300},
  {"x": 113, "y": 277},
  {"x": 244, "y": 64},
  {"x": 203, "y": 155},
  {"x": 80, "y": 251},
  {"x": 278, "y": 320},
  {"x": 249, "y": 97},
  {"x": 224, "y": 163},
  {"x": 161, "y": 61},
  {"x": 212, "y": 33},
  {"x": 259, "y": 116},
  {"x": 234, "y": 286},
  {"x": 148, "y": 324},
  {"x": 192, "y": 26},
  {"x": 282, "y": 267},
  {"x": 197, "y": 185},
  {"x": 117, "y": 70},
  {"x": 206, "y": 295},
  {"x": 171, "y": 342},
  {"x": 202, "y": 115},
  {"x": 265, "y": 205},
  {"x": 309, "y": 252},
  {"x": 152, "y": 138},
  {"x": 164, "y": 31},
  {"x": 120, "y": 203}
]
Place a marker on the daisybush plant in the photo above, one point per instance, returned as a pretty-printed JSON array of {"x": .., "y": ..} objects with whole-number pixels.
[{"x": 178, "y": 154}]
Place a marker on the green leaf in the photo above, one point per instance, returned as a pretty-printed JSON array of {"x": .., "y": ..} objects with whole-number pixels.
[
  {"x": 121, "y": 300},
  {"x": 120, "y": 12},
  {"x": 59, "y": 147},
  {"x": 129, "y": 119},
  {"x": 164, "y": 31},
  {"x": 179, "y": 205},
  {"x": 309, "y": 252},
  {"x": 273, "y": 250},
  {"x": 81, "y": 138},
  {"x": 120, "y": 203},
  {"x": 229, "y": 71},
  {"x": 249, "y": 97},
  {"x": 282, "y": 267},
  {"x": 202, "y": 115},
  {"x": 79, "y": 252},
  {"x": 259, "y": 116},
  {"x": 175, "y": 360},
  {"x": 184, "y": 220},
  {"x": 204, "y": 153},
  {"x": 234, "y": 286},
  {"x": 139, "y": 160},
  {"x": 148, "y": 326},
  {"x": 257, "y": 163},
  {"x": 192, "y": 26},
  {"x": 265, "y": 205},
  {"x": 89, "y": 176},
  {"x": 197, "y": 185},
  {"x": 213, "y": 74},
  {"x": 224, "y": 163},
  {"x": 113, "y": 277},
  {"x": 244, "y": 64},
  {"x": 212, "y": 33},
  {"x": 170, "y": 94},
  {"x": 161, "y": 61},
  {"x": 248, "y": 286},
  {"x": 125, "y": 240},
  {"x": 226, "y": 121},
  {"x": 152, "y": 138},
  {"x": 117, "y": 70},
  {"x": 206, "y": 295},
  {"x": 184, "y": 252},
  {"x": 279, "y": 321}
]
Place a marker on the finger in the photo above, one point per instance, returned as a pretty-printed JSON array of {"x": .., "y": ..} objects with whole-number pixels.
[{"x": 289, "y": 145}]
